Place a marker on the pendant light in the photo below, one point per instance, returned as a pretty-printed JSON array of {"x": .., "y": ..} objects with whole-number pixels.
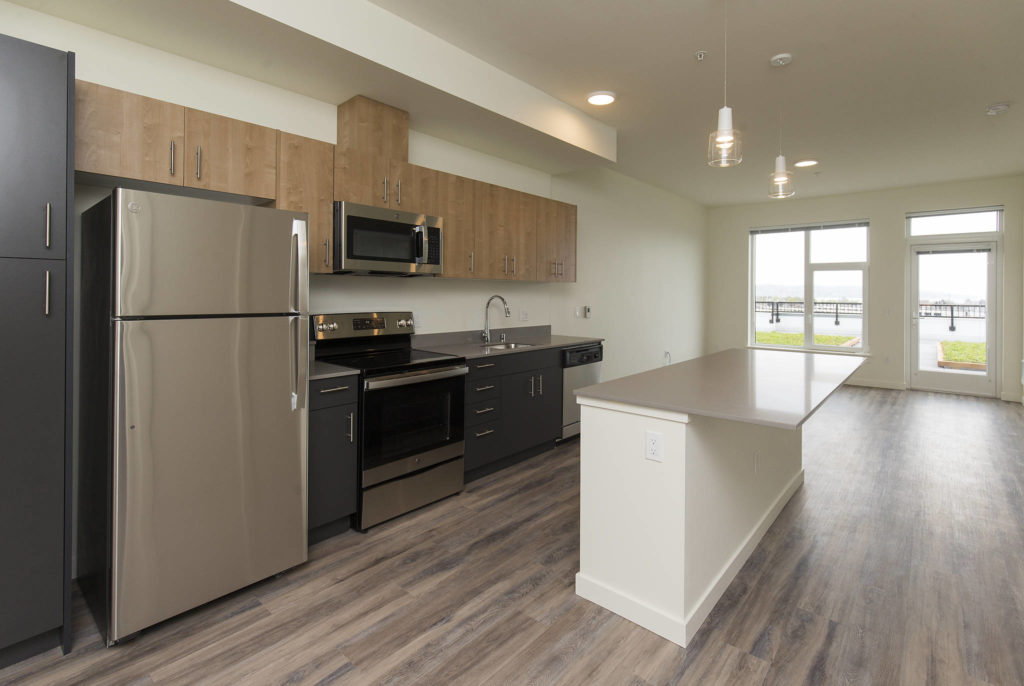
[
  {"x": 781, "y": 185},
  {"x": 725, "y": 145}
]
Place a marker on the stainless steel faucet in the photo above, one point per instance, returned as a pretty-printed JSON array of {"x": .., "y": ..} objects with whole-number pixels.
[{"x": 487, "y": 316}]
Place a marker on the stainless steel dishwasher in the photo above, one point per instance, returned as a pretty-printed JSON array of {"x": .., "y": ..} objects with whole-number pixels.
[{"x": 581, "y": 366}]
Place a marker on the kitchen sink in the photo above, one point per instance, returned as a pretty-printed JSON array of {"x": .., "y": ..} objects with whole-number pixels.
[{"x": 506, "y": 346}]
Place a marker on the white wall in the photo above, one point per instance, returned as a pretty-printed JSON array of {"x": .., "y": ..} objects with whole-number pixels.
[
  {"x": 728, "y": 266},
  {"x": 640, "y": 249}
]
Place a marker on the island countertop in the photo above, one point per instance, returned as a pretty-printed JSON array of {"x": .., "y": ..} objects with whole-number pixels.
[{"x": 779, "y": 388}]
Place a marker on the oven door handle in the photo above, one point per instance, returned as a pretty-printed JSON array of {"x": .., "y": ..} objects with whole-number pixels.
[{"x": 415, "y": 377}]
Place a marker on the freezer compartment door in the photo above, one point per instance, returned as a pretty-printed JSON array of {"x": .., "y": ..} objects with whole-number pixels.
[
  {"x": 185, "y": 256},
  {"x": 209, "y": 461}
]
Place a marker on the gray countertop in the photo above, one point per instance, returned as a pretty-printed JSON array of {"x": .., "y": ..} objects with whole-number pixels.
[
  {"x": 475, "y": 349},
  {"x": 777, "y": 388},
  {"x": 326, "y": 370}
]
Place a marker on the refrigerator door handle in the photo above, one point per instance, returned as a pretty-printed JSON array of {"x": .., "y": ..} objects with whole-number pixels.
[
  {"x": 300, "y": 358},
  {"x": 300, "y": 267}
]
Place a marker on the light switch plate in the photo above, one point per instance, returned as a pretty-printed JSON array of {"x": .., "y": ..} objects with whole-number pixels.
[
  {"x": 523, "y": 316},
  {"x": 654, "y": 446}
]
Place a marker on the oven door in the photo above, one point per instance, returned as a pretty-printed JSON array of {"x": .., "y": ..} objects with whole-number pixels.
[
  {"x": 411, "y": 421},
  {"x": 373, "y": 239}
]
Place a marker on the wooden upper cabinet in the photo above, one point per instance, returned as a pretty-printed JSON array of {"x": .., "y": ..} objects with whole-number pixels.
[
  {"x": 124, "y": 134},
  {"x": 361, "y": 178},
  {"x": 556, "y": 241},
  {"x": 456, "y": 201},
  {"x": 493, "y": 243},
  {"x": 229, "y": 155},
  {"x": 371, "y": 127},
  {"x": 305, "y": 183},
  {"x": 524, "y": 238},
  {"x": 414, "y": 189}
]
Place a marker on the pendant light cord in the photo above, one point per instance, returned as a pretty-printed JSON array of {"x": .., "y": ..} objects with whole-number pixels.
[{"x": 725, "y": 59}]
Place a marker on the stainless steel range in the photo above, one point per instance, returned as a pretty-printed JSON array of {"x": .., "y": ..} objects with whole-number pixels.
[{"x": 410, "y": 411}]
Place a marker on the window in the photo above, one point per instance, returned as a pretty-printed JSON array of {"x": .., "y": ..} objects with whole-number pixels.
[
  {"x": 985, "y": 220},
  {"x": 825, "y": 265}
]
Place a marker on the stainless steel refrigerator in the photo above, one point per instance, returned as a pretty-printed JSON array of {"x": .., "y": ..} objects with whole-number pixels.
[{"x": 194, "y": 362}]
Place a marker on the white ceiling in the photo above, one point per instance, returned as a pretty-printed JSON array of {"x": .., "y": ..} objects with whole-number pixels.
[{"x": 884, "y": 92}]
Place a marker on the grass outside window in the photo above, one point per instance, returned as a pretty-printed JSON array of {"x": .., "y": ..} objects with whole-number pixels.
[
  {"x": 962, "y": 351},
  {"x": 797, "y": 339}
]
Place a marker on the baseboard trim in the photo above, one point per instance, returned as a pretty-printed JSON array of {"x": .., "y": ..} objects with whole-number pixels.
[
  {"x": 877, "y": 383},
  {"x": 662, "y": 623},
  {"x": 725, "y": 577}
]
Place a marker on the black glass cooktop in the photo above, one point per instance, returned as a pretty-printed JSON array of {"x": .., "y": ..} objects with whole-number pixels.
[{"x": 386, "y": 361}]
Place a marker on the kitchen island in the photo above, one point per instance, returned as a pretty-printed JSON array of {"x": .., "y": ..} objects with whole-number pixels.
[{"x": 683, "y": 469}]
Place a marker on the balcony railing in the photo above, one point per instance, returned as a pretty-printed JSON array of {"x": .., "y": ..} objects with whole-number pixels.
[{"x": 775, "y": 308}]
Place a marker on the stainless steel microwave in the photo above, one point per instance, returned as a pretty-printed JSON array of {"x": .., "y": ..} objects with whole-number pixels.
[{"x": 375, "y": 240}]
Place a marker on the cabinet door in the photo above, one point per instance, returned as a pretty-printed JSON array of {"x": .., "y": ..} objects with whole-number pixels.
[
  {"x": 414, "y": 189},
  {"x": 33, "y": 147},
  {"x": 566, "y": 221},
  {"x": 128, "y": 135},
  {"x": 229, "y": 155},
  {"x": 547, "y": 240},
  {"x": 456, "y": 204},
  {"x": 523, "y": 238},
  {"x": 373, "y": 128},
  {"x": 332, "y": 464},
  {"x": 494, "y": 209},
  {"x": 361, "y": 178},
  {"x": 305, "y": 183},
  {"x": 32, "y": 453},
  {"x": 518, "y": 400},
  {"x": 546, "y": 413}
]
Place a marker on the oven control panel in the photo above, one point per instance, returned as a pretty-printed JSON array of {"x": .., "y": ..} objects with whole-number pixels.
[{"x": 360, "y": 324}]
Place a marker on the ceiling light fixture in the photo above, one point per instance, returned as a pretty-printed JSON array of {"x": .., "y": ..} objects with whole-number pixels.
[
  {"x": 725, "y": 144},
  {"x": 805, "y": 163},
  {"x": 601, "y": 98},
  {"x": 997, "y": 108},
  {"x": 781, "y": 185}
]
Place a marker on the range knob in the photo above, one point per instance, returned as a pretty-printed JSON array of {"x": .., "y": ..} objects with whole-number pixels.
[
  {"x": 408, "y": 322},
  {"x": 333, "y": 326},
  {"x": 401, "y": 323},
  {"x": 321, "y": 327}
]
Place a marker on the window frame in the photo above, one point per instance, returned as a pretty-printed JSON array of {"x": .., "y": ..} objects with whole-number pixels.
[
  {"x": 1000, "y": 211},
  {"x": 810, "y": 269}
]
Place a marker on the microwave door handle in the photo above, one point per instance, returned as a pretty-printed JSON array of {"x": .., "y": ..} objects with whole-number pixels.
[{"x": 420, "y": 237}]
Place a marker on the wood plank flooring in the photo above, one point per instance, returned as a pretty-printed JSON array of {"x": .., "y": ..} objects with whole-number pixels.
[{"x": 898, "y": 562}]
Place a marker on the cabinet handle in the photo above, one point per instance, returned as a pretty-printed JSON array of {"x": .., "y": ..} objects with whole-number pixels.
[
  {"x": 506, "y": 264},
  {"x": 49, "y": 217},
  {"x": 485, "y": 410},
  {"x": 199, "y": 161},
  {"x": 484, "y": 366},
  {"x": 513, "y": 265},
  {"x": 351, "y": 427},
  {"x": 561, "y": 268},
  {"x": 327, "y": 253},
  {"x": 484, "y": 433},
  {"x": 385, "y": 190},
  {"x": 334, "y": 390},
  {"x": 399, "y": 185},
  {"x": 172, "y": 157},
  {"x": 471, "y": 256},
  {"x": 531, "y": 386},
  {"x": 554, "y": 269},
  {"x": 46, "y": 295},
  {"x": 540, "y": 385},
  {"x": 485, "y": 388}
]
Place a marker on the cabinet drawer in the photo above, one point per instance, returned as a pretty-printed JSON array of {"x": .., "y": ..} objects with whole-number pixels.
[
  {"x": 478, "y": 390},
  {"x": 486, "y": 411},
  {"x": 338, "y": 390},
  {"x": 486, "y": 367},
  {"x": 513, "y": 362},
  {"x": 483, "y": 444}
]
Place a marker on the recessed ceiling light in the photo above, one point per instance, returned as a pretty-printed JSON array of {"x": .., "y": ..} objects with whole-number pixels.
[
  {"x": 601, "y": 98},
  {"x": 805, "y": 163},
  {"x": 997, "y": 108}
]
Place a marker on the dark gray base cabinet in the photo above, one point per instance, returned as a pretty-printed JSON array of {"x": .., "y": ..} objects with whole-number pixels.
[
  {"x": 332, "y": 464},
  {"x": 513, "y": 404}
]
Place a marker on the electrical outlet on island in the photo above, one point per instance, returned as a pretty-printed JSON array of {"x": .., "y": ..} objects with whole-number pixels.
[{"x": 523, "y": 316}]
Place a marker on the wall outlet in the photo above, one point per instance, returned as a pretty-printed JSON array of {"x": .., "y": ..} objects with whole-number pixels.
[
  {"x": 523, "y": 316},
  {"x": 586, "y": 311},
  {"x": 653, "y": 446}
]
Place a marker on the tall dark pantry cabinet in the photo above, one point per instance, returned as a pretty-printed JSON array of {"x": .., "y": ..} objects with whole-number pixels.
[{"x": 36, "y": 263}]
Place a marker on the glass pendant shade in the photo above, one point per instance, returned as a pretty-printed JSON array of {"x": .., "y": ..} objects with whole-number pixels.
[
  {"x": 781, "y": 184},
  {"x": 725, "y": 144}
]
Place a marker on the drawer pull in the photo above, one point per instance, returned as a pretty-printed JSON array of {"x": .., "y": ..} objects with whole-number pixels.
[
  {"x": 334, "y": 390},
  {"x": 484, "y": 366},
  {"x": 351, "y": 427},
  {"x": 484, "y": 433},
  {"x": 485, "y": 388},
  {"x": 485, "y": 410}
]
